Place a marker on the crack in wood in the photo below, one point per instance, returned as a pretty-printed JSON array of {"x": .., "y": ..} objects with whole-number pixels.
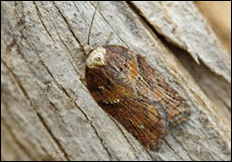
[
  {"x": 25, "y": 95},
  {"x": 173, "y": 150},
  {"x": 41, "y": 20},
  {"x": 165, "y": 40},
  {"x": 123, "y": 135},
  {"x": 183, "y": 147},
  {"x": 68, "y": 25},
  {"x": 57, "y": 142},
  {"x": 144, "y": 22},
  {"x": 95, "y": 130},
  {"x": 72, "y": 64},
  {"x": 16, "y": 141},
  {"x": 20, "y": 86}
]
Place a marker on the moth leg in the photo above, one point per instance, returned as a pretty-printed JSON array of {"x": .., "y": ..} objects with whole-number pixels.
[{"x": 108, "y": 38}]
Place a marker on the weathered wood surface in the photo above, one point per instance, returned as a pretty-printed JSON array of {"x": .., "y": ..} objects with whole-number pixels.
[{"x": 47, "y": 112}]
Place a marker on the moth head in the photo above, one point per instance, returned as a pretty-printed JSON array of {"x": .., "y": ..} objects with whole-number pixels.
[{"x": 96, "y": 58}]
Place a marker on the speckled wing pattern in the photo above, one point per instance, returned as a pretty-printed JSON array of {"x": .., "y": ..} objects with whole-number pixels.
[{"x": 129, "y": 89}]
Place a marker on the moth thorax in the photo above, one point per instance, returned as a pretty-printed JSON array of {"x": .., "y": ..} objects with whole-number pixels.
[{"x": 96, "y": 58}]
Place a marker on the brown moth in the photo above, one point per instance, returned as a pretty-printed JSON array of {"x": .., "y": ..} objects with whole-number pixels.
[
  {"x": 130, "y": 90},
  {"x": 125, "y": 86}
]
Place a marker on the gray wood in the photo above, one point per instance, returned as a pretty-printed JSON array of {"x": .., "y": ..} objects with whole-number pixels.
[{"x": 47, "y": 112}]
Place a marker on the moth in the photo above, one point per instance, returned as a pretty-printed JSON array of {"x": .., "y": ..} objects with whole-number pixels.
[
  {"x": 131, "y": 91},
  {"x": 125, "y": 86}
]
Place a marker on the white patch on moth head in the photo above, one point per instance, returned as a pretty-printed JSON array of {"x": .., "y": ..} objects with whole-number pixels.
[{"x": 96, "y": 58}]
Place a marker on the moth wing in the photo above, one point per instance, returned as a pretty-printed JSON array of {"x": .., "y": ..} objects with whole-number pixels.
[
  {"x": 175, "y": 106},
  {"x": 141, "y": 118}
]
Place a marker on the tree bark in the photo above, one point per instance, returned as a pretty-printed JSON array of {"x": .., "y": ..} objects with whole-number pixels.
[{"x": 47, "y": 112}]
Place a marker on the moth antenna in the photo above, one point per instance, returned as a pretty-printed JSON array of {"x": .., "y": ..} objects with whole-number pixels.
[{"x": 91, "y": 24}]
